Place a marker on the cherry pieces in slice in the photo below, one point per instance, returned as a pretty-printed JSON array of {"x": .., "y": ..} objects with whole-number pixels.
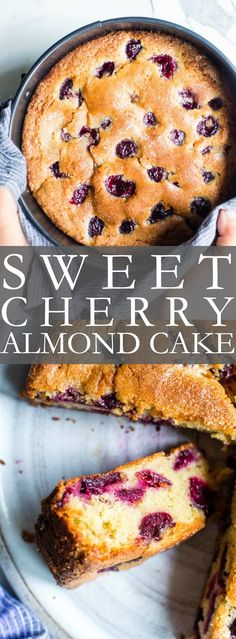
[{"x": 153, "y": 524}]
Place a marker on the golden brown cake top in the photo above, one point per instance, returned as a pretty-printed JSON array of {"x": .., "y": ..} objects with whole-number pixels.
[
  {"x": 189, "y": 395},
  {"x": 129, "y": 140}
]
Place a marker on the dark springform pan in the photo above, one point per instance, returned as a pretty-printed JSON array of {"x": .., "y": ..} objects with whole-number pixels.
[{"x": 58, "y": 51}]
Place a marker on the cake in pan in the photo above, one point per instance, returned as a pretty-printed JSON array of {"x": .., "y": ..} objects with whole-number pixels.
[{"x": 130, "y": 140}]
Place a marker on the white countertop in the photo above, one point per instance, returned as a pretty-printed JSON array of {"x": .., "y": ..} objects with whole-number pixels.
[{"x": 29, "y": 27}]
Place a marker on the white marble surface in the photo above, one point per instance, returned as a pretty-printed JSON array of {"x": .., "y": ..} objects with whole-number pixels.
[{"x": 29, "y": 27}]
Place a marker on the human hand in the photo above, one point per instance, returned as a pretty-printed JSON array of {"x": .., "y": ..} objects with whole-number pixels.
[
  {"x": 12, "y": 183},
  {"x": 226, "y": 227},
  {"x": 11, "y": 233}
]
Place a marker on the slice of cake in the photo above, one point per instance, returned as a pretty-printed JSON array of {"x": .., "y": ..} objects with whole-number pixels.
[
  {"x": 98, "y": 522},
  {"x": 217, "y": 614},
  {"x": 194, "y": 396}
]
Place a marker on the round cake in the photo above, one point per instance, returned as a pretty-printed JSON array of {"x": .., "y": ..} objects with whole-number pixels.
[{"x": 130, "y": 140}]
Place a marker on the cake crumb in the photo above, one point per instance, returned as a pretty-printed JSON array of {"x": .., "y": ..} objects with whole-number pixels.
[
  {"x": 27, "y": 536},
  {"x": 2, "y": 462},
  {"x": 55, "y": 419}
]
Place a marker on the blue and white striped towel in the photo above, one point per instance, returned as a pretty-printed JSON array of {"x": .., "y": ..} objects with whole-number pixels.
[
  {"x": 16, "y": 621},
  {"x": 13, "y": 175}
]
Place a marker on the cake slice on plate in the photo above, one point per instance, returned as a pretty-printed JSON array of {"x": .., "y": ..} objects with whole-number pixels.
[
  {"x": 196, "y": 396},
  {"x": 94, "y": 523},
  {"x": 217, "y": 614}
]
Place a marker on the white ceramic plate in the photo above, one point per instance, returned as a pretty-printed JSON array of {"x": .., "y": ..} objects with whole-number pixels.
[{"x": 156, "y": 600}]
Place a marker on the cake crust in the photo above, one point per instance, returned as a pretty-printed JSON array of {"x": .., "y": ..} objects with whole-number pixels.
[
  {"x": 186, "y": 395},
  {"x": 177, "y": 113}
]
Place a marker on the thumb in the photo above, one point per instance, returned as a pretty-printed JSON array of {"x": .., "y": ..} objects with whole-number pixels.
[{"x": 226, "y": 227}]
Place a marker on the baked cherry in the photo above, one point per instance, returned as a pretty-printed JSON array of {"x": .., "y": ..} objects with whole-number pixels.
[
  {"x": 208, "y": 126},
  {"x": 157, "y": 173},
  {"x": 216, "y": 103},
  {"x": 184, "y": 458},
  {"x": 80, "y": 97},
  {"x": 152, "y": 479},
  {"x": 65, "y": 136},
  {"x": 80, "y": 194},
  {"x": 106, "y": 69},
  {"x": 177, "y": 136},
  {"x": 152, "y": 525},
  {"x": 133, "y": 47},
  {"x": 66, "y": 91},
  {"x": 199, "y": 493},
  {"x": 70, "y": 394},
  {"x": 227, "y": 372},
  {"x": 232, "y": 629},
  {"x": 106, "y": 123},
  {"x": 89, "y": 486},
  {"x": 92, "y": 135},
  {"x": 108, "y": 401},
  {"x": 126, "y": 149},
  {"x": 167, "y": 64},
  {"x": 118, "y": 186},
  {"x": 201, "y": 206},
  {"x": 127, "y": 226},
  {"x": 95, "y": 226},
  {"x": 149, "y": 119},
  {"x": 207, "y": 176},
  {"x": 55, "y": 168},
  {"x": 206, "y": 150},
  {"x": 158, "y": 212},
  {"x": 130, "y": 495},
  {"x": 189, "y": 100}
]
